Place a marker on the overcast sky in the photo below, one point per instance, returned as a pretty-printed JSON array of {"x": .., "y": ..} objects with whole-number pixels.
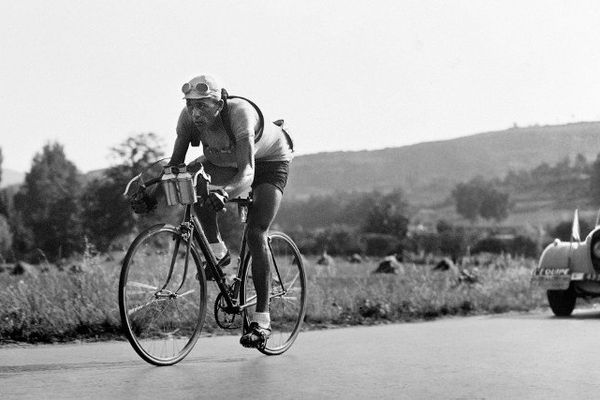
[{"x": 346, "y": 75}]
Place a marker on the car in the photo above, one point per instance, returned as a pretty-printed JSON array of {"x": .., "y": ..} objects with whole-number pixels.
[{"x": 568, "y": 270}]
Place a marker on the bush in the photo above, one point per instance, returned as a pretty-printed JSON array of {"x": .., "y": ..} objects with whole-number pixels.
[
  {"x": 336, "y": 240},
  {"x": 377, "y": 244},
  {"x": 518, "y": 246},
  {"x": 490, "y": 245},
  {"x": 524, "y": 246},
  {"x": 562, "y": 230}
]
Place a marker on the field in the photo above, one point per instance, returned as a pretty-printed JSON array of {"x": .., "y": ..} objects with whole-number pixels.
[{"x": 80, "y": 302}]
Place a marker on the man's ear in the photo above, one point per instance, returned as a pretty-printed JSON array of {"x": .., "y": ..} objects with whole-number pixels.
[{"x": 220, "y": 105}]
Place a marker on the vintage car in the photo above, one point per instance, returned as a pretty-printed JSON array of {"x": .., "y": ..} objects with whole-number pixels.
[{"x": 568, "y": 270}]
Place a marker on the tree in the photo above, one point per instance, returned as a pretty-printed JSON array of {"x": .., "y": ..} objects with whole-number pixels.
[
  {"x": 494, "y": 205},
  {"x": 468, "y": 197},
  {"x": 595, "y": 180},
  {"x": 581, "y": 165},
  {"x": 47, "y": 204},
  {"x": 387, "y": 215},
  {"x": 5, "y": 237},
  {"x": 138, "y": 152},
  {"x": 479, "y": 198},
  {"x": 106, "y": 213}
]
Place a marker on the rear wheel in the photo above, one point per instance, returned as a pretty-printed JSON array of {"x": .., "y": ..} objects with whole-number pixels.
[
  {"x": 562, "y": 302},
  {"x": 287, "y": 293},
  {"x": 162, "y": 308}
]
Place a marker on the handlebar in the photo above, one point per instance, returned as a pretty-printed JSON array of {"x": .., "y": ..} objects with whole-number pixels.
[
  {"x": 156, "y": 180},
  {"x": 138, "y": 177},
  {"x": 201, "y": 172}
]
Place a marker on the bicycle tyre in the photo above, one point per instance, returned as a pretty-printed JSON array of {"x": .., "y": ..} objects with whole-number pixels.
[
  {"x": 161, "y": 329},
  {"x": 288, "y": 309}
]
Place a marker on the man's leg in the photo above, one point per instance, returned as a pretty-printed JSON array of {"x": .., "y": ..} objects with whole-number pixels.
[
  {"x": 220, "y": 176},
  {"x": 266, "y": 201}
]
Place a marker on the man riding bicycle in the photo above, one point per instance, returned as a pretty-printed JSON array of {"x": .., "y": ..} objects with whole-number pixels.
[{"x": 241, "y": 150}]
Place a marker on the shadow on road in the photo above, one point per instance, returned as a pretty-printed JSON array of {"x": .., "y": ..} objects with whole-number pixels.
[{"x": 583, "y": 314}]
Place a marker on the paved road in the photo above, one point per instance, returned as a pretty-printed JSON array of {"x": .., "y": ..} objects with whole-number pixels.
[{"x": 500, "y": 357}]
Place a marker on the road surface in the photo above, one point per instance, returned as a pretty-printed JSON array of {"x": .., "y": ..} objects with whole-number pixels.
[{"x": 518, "y": 356}]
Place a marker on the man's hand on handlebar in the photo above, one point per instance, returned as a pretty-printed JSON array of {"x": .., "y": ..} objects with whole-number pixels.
[
  {"x": 217, "y": 199},
  {"x": 142, "y": 201}
]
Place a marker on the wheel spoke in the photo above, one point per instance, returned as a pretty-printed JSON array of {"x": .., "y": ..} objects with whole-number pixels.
[
  {"x": 287, "y": 293},
  {"x": 161, "y": 325},
  {"x": 134, "y": 309},
  {"x": 187, "y": 293},
  {"x": 141, "y": 285}
]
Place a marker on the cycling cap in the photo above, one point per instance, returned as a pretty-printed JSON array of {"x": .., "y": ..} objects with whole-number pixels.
[{"x": 202, "y": 87}]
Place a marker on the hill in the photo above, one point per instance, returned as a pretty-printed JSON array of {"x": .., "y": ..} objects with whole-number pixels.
[{"x": 428, "y": 171}]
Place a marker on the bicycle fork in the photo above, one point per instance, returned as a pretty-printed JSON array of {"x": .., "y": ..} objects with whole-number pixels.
[{"x": 186, "y": 230}]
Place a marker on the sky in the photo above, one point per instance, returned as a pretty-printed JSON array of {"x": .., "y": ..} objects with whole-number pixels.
[{"x": 345, "y": 75}]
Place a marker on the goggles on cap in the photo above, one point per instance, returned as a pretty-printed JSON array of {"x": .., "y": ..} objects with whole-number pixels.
[{"x": 201, "y": 88}]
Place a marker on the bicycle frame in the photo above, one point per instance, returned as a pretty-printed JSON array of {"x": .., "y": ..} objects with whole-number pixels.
[
  {"x": 200, "y": 238},
  {"x": 192, "y": 232}
]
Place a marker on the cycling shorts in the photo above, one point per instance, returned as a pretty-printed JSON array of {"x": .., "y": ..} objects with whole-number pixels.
[{"x": 273, "y": 172}]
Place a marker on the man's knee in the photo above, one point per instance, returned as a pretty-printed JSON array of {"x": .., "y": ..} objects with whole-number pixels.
[{"x": 257, "y": 235}]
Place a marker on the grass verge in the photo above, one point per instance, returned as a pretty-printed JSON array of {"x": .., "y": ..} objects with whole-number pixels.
[{"x": 59, "y": 306}]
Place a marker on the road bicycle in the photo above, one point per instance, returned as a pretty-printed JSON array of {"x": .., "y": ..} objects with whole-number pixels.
[{"x": 163, "y": 283}]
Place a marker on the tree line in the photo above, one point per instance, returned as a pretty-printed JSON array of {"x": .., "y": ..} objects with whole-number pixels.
[{"x": 58, "y": 210}]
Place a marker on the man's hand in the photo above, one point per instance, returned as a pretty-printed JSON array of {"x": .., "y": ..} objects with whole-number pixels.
[
  {"x": 217, "y": 199},
  {"x": 142, "y": 202}
]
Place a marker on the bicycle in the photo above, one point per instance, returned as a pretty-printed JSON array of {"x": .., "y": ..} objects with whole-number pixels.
[{"x": 163, "y": 298}]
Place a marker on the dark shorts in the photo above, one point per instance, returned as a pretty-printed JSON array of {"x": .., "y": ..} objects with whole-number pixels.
[{"x": 273, "y": 172}]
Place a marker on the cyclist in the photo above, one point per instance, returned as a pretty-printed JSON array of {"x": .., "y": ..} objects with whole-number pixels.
[{"x": 241, "y": 150}]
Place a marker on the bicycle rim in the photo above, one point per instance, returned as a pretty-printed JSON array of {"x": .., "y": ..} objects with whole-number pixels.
[
  {"x": 161, "y": 319},
  {"x": 287, "y": 291}
]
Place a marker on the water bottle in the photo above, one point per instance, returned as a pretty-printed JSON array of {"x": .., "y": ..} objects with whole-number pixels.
[
  {"x": 169, "y": 185},
  {"x": 185, "y": 186}
]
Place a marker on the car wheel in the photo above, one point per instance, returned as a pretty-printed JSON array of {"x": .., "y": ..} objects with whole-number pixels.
[{"x": 562, "y": 302}]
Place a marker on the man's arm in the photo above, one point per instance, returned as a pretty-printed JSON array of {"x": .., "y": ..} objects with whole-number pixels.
[
  {"x": 183, "y": 139},
  {"x": 245, "y": 161},
  {"x": 244, "y": 122},
  {"x": 179, "y": 150}
]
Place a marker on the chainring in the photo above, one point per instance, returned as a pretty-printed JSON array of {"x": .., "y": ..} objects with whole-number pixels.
[{"x": 226, "y": 320}]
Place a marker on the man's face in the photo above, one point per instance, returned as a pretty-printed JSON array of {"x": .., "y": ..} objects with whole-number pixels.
[{"x": 204, "y": 112}]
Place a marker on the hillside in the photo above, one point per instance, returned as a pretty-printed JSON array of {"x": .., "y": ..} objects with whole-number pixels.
[{"x": 428, "y": 171}]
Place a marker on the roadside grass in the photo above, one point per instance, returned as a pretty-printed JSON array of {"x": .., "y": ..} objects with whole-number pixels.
[{"x": 60, "y": 306}]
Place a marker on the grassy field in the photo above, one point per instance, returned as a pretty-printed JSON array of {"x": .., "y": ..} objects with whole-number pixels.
[{"x": 59, "y": 306}]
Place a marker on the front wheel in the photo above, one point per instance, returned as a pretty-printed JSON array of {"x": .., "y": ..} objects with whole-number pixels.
[
  {"x": 162, "y": 299},
  {"x": 287, "y": 291},
  {"x": 562, "y": 302}
]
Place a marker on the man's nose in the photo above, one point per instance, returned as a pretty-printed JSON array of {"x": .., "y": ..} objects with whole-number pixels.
[{"x": 196, "y": 113}]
